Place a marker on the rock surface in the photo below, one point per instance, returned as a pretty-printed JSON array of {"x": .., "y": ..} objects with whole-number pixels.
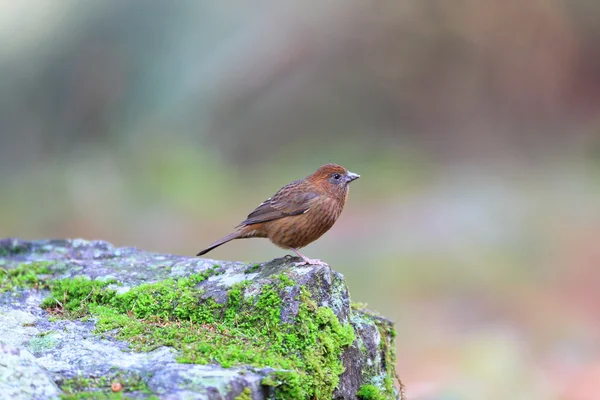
[{"x": 67, "y": 348}]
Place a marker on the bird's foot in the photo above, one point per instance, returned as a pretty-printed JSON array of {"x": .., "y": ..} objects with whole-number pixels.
[{"x": 306, "y": 260}]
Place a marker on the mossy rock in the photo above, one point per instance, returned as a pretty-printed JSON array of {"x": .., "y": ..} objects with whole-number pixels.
[{"x": 111, "y": 322}]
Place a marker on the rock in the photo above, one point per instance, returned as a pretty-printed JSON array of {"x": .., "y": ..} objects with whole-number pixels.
[
  {"x": 79, "y": 316},
  {"x": 21, "y": 377}
]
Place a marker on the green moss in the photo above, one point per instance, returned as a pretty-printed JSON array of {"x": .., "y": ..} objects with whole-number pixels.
[
  {"x": 370, "y": 392},
  {"x": 245, "y": 395},
  {"x": 14, "y": 248},
  {"x": 378, "y": 372},
  {"x": 386, "y": 330},
  {"x": 245, "y": 330},
  {"x": 356, "y": 305},
  {"x": 39, "y": 344},
  {"x": 72, "y": 296},
  {"x": 252, "y": 269},
  {"x": 100, "y": 387},
  {"x": 26, "y": 275}
]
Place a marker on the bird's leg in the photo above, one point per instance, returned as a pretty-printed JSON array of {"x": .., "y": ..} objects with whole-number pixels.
[{"x": 306, "y": 260}]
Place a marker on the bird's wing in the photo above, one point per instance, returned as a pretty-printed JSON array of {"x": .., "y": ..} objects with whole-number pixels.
[{"x": 288, "y": 201}]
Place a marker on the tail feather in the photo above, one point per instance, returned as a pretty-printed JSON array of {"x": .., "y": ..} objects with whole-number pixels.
[{"x": 223, "y": 240}]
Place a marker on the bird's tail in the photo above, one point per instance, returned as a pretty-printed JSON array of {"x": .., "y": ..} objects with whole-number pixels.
[{"x": 223, "y": 240}]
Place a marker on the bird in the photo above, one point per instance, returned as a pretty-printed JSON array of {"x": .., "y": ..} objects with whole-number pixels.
[{"x": 299, "y": 213}]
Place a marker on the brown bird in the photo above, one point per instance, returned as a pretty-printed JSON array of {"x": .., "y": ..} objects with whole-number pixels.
[{"x": 299, "y": 213}]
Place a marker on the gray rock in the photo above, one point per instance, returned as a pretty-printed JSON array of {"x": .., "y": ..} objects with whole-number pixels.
[
  {"x": 21, "y": 377},
  {"x": 44, "y": 355}
]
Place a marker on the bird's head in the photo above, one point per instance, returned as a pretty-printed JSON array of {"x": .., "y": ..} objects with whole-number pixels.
[{"x": 333, "y": 178}]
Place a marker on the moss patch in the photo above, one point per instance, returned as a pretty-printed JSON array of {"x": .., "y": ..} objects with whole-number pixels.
[
  {"x": 252, "y": 269},
  {"x": 370, "y": 392},
  {"x": 101, "y": 387},
  {"x": 245, "y": 330},
  {"x": 26, "y": 275},
  {"x": 245, "y": 395},
  {"x": 71, "y": 297},
  {"x": 386, "y": 330},
  {"x": 12, "y": 247}
]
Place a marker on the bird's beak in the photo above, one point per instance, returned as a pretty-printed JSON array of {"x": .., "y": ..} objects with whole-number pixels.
[{"x": 351, "y": 176}]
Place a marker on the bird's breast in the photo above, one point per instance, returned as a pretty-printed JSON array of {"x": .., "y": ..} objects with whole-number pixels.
[{"x": 299, "y": 230}]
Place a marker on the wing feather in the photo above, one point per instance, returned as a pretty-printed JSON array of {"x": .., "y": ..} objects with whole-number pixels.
[{"x": 290, "y": 200}]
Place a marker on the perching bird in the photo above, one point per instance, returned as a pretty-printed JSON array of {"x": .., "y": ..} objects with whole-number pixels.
[{"x": 299, "y": 213}]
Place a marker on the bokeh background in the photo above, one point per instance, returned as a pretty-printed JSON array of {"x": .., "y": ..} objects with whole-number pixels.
[{"x": 475, "y": 126}]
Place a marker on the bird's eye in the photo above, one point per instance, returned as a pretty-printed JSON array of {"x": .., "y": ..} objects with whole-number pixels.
[{"x": 337, "y": 177}]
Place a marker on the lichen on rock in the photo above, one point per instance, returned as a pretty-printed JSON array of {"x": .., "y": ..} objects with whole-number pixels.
[{"x": 172, "y": 326}]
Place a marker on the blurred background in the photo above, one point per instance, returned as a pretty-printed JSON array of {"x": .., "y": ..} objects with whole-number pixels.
[{"x": 475, "y": 126}]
